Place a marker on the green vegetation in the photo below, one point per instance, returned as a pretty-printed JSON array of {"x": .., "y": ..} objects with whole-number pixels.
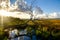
[{"x": 44, "y": 27}]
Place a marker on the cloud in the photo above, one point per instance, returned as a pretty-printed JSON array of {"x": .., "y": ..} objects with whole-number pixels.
[
  {"x": 48, "y": 16},
  {"x": 53, "y": 15},
  {"x": 37, "y": 10},
  {"x": 16, "y": 10},
  {"x": 21, "y": 10},
  {"x": 22, "y": 5},
  {"x": 21, "y": 15},
  {"x": 39, "y": 14}
]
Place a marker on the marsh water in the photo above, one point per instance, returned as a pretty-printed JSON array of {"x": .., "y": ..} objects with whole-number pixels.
[{"x": 23, "y": 35}]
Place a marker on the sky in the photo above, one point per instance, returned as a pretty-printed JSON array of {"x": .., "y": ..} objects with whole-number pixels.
[
  {"x": 51, "y": 9},
  {"x": 48, "y": 6}
]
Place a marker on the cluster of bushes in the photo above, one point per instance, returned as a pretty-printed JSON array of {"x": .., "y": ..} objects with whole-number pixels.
[
  {"x": 43, "y": 32},
  {"x": 2, "y": 34}
]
